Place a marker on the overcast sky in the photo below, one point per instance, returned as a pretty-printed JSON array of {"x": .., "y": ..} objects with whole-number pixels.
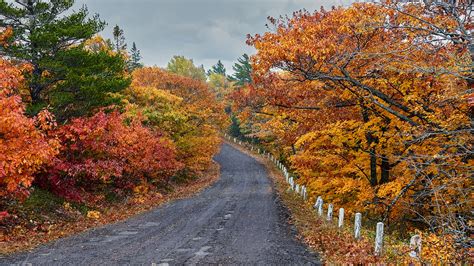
[{"x": 204, "y": 30}]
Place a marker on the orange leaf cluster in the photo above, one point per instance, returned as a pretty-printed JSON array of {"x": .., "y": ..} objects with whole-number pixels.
[
  {"x": 186, "y": 108},
  {"x": 24, "y": 148}
]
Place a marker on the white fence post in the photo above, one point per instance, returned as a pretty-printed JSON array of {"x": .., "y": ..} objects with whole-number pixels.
[
  {"x": 340, "y": 223},
  {"x": 318, "y": 201},
  {"x": 320, "y": 208},
  {"x": 357, "y": 225},
  {"x": 415, "y": 247},
  {"x": 379, "y": 239},
  {"x": 329, "y": 216}
]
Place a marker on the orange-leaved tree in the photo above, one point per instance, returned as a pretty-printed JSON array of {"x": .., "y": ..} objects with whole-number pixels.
[
  {"x": 185, "y": 108},
  {"x": 24, "y": 146},
  {"x": 371, "y": 113}
]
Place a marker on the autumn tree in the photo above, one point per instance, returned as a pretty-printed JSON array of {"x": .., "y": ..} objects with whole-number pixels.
[
  {"x": 371, "y": 110},
  {"x": 220, "y": 84},
  {"x": 185, "y": 108},
  {"x": 24, "y": 146},
  {"x": 107, "y": 152},
  {"x": 185, "y": 67}
]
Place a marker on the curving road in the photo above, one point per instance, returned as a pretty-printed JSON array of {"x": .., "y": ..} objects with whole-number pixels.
[{"x": 238, "y": 220}]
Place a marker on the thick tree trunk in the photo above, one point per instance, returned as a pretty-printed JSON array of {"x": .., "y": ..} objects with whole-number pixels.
[{"x": 385, "y": 170}]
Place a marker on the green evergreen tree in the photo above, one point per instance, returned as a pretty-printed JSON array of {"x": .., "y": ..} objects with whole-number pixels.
[
  {"x": 49, "y": 36},
  {"x": 243, "y": 71},
  {"x": 119, "y": 40},
  {"x": 135, "y": 58},
  {"x": 218, "y": 68}
]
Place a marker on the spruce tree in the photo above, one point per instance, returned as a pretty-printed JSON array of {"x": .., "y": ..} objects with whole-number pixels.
[
  {"x": 135, "y": 58},
  {"x": 218, "y": 68}
]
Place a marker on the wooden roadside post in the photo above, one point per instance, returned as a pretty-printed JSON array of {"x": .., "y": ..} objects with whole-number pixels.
[
  {"x": 340, "y": 222},
  {"x": 320, "y": 207},
  {"x": 415, "y": 247},
  {"x": 318, "y": 201},
  {"x": 357, "y": 225},
  {"x": 379, "y": 239},
  {"x": 330, "y": 209}
]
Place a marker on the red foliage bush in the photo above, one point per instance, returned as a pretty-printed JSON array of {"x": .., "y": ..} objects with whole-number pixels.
[
  {"x": 106, "y": 150},
  {"x": 24, "y": 147}
]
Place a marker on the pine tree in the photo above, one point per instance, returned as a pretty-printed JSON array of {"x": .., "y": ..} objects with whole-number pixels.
[
  {"x": 135, "y": 58},
  {"x": 243, "y": 70},
  {"x": 217, "y": 69},
  {"x": 65, "y": 75},
  {"x": 119, "y": 40}
]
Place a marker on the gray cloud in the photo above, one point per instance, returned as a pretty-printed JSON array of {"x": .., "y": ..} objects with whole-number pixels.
[{"x": 204, "y": 30}]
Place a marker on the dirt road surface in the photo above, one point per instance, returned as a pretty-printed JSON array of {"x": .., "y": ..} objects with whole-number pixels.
[{"x": 238, "y": 220}]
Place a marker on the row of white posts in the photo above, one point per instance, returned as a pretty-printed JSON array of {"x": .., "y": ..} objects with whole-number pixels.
[{"x": 415, "y": 241}]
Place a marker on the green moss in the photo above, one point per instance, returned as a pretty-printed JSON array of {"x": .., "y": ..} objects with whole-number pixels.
[{"x": 42, "y": 200}]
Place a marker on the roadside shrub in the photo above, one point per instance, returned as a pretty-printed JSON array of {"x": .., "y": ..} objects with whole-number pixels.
[
  {"x": 24, "y": 147},
  {"x": 106, "y": 150}
]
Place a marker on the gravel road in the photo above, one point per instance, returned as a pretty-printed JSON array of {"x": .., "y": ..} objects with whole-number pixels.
[{"x": 238, "y": 220}]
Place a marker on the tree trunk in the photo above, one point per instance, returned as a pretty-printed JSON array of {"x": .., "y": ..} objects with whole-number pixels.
[
  {"x": 372, "y": 151},
  {"x": 385, "y": 170},
  {"x": 373, "y": 167},
  {"x": 35, "y": 85}
]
